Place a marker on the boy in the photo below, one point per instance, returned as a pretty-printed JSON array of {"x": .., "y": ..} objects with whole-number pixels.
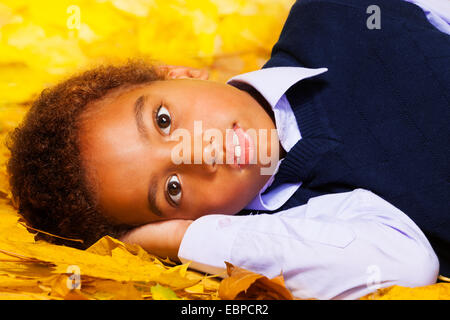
[{"x": 340, "y": 129}]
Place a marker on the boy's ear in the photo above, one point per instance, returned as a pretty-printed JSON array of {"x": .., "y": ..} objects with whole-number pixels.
[{"x": 182, "y": 72}]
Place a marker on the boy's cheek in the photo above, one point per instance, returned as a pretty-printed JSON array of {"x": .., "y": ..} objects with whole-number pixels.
[{"x": 227, "y": 201}]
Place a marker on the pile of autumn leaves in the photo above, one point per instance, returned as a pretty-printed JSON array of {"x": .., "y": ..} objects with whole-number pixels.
[
  {"x": 44, "y": 41},
  {"x": 111, "y": 269}
]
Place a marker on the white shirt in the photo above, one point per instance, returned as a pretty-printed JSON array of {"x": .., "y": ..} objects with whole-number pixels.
[{"x": 337, "y": 246}]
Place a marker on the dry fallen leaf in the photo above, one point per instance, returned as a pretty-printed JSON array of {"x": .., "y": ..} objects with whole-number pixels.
[
  {"x": 244, "y": 284},
  {"x": 162, "y": 293},
  {"x": 438, "y": 291}
]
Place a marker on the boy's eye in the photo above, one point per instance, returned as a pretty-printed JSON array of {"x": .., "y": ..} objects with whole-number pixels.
[
  {"x": 173, "y": 189},
  {"x": 163, "y": 119}
]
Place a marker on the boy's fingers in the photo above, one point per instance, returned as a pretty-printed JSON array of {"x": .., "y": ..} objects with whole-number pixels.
[
  {"x": 184, "y": 72},
  {"x": 201, "y": 74}
]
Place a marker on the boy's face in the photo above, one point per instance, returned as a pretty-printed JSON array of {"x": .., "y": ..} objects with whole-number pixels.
[{"x": 128, "y": 144}]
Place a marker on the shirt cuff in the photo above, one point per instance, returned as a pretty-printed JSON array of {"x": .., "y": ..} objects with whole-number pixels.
[{"x": 208, "y": 241}]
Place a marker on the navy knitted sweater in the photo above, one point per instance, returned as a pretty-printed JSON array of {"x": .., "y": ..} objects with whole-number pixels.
[{"x": 379, "y": 118}]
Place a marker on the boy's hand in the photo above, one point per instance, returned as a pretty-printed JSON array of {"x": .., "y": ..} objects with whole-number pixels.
[{"x": 162, "y": 238}]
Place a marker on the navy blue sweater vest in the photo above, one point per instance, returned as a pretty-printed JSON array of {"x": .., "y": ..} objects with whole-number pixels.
[{"x": 379, "y": 118}]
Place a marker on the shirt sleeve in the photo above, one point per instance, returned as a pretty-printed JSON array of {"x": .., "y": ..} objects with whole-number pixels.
[
  {"x": 437, "y": 12},
  {"x": 337, "y": 246}
]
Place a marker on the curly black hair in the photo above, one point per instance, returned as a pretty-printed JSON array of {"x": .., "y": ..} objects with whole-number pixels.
[{"x": 48, "y": 181}]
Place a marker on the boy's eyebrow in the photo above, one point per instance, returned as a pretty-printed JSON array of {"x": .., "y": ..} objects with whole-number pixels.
[
  {"x": 143, "y": 132},
  {"x": 151, "y": 197},
  {"x": 138, "y": 114}
]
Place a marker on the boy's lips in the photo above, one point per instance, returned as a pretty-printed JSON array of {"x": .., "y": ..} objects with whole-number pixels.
[{"x": 239, "y": 147}]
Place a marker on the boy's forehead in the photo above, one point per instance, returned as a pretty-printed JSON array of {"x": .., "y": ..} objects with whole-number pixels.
[
  {"x": 113, "y": 96},
  {"x": 128, "y": 93},
  {"x": 124, "y": 91}
]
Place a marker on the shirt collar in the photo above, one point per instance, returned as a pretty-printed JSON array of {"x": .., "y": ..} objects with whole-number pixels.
[{"x": 272, "y": 83}]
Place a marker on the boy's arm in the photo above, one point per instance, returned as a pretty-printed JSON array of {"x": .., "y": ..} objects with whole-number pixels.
[
  {"x": 337, "y": 246},
  {"x": 161, "y": 238}
]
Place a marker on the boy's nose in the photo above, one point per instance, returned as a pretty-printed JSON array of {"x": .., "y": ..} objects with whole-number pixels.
[
  {"x": 211, "y": 155},
  {"x": 204, "y": 156},
  {"x": 201, "y": 155}
]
